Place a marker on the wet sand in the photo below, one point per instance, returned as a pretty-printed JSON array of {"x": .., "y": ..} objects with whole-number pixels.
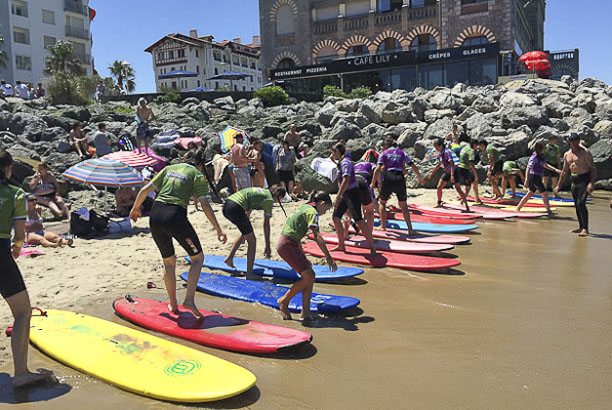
[{"x": 525, "y": 322}]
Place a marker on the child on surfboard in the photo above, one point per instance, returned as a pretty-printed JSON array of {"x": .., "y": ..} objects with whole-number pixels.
[
  {"x": 535, "y": 171},
  {"x": 237, "y": 210},
  {"x": 445, "y": 160},
  {"x": 290, "y": 249}
]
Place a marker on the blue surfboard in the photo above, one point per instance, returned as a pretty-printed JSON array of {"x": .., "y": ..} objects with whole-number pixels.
[
  {"x": 278, "y": 269},
  {"x": 520, "y": 195},
  {"x": 267, "y": 293},
  {"x": 427, "y": 227}
]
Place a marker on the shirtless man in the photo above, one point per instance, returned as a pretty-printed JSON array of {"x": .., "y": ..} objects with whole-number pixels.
[
  {"x": 241, "y": 157},
  {"x": 145, "y": 115},
  {"x": 293, "y": 139},
  {"x": 258, "y": 171},
  {"x": 78, "y": 140},
  {"x": 579, "y": 162}
]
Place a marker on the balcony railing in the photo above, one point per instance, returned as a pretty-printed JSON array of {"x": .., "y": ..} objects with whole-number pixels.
[
  {"x": 389, "y": 19},
  {"x": 77, "y": 32},
  {"x": 84, "y": 58},
  {"x": 422, "y": 13},
  {"x": 325, "y": 27},
  {"x": 356, "y": 23},
  {"x": 76, "y": 7}
]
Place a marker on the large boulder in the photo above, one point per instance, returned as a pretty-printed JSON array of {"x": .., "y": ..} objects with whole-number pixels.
[
  {"x": 604, "y": 110},
  {"x": 372, "y": 110},
  {"x": 54, "y": 134},
  {"x": 312, "y": 181},
  {"x": 344, "y": 130},
  {"x": 348, "y": 105},
  {"x": 411, "y": 134},
  {"x": 419, "y": 106},
  {"x": 557, "y": 107},
  {"x": 396, "y": 114},
  {"x": 602, "y": 156},
  {"x": 433, "y": 115},
  {"x": 27, "y": 125},
  {"x": 225, "y": 103},
  {"x": 513, "y": 117},
  {"x": 604, "y": 129},
  {"x": 479, "y": 127},
  {"x": 586, "y": 102},
  {"x": 76, "y": 113},
  {"x": 190, "y": 100},
  {"x": 325, "y": 115},
  {"x": 514, "y": 146},
  {"x": 5, "y": 120},
  {"x": 515, "y": 99},
  {"x": 439, "y": 129},
  {"x": 485, "y": 104},
  {"x": 60, "y": 162},
  {"x": 443, "y": 99}
]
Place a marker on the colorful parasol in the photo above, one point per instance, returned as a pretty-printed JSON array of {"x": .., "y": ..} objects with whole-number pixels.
[
  {"x": 533, "y": 56},
  {"x": 133, "y": 159},
  {"x": 228, "y": 138},
  {"x": 367, "y": 156},
  {"x": 104, "y": 172},
  {"x": 161, "y": 162}
]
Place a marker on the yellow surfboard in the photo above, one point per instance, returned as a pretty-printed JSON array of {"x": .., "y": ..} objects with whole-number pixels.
[{"x": 136, "y": 361}]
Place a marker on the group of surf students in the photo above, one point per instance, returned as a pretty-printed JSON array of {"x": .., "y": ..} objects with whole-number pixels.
[{"x": 177, "y": 184}]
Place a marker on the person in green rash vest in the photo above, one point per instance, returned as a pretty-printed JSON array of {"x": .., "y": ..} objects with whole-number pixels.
[
  {"x": 290, "y": 249},
  {"x": 237, "y": 210},
  {"x": 496, "y": 164},
  {"x": 511, "y": 169},
  {"x": 466, "y": 171},
  {"x": 175, "y": 185},
  {"x": 12, "y": 287},
  {"x": 552, "y": 155}
]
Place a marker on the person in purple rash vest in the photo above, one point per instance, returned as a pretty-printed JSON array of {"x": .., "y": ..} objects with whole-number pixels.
[
  {"x": 390, "y": 174},
  {"x": 535, "y": 171},
  {"x": 445, "y": 160}
]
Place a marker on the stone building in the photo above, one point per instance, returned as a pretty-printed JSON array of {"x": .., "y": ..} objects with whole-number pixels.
[{"x": 302, "y": 33}]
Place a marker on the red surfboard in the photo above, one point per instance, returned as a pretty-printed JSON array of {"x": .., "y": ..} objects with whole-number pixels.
[
  {"x": 401, "y": 235},
  {"x": 215, "y": 330},
  {"x": 457, "y": 212},
  {"x": 506, "y": 202},
  {"x": 489, "y": 211},
  {"x": 418, "y": 217},
  {"x": 384, "y": 259},
  {"x": 387, "y": 245}
]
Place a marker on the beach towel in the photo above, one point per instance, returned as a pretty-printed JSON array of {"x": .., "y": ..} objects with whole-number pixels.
[
  {"x": 219, "y": 165},
  {"x": 183, "y": 142},
  {"x": 166, "y": 139},
  {"x": 30, "y": 252},
  {"x": 126, "y": 144},
  {"x": 325, "y": 167}
]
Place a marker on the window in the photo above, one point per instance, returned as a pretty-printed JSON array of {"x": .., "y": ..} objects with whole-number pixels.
[
  {"x": 49, "y": 41},
  {"x": 48, "y": 17},
  {"x": 198, "y": 69},
  {"x": 217, "y": 56},
  {"x": 21, "y": 35},
  {"x": 465, "y": 2},
  {"x": 483, "y": 72},
  {"x": 19, "y": 8},
  {"x": 456, "y": 73},
  {"x": 253, "y": 65},
  {"x": 216, "y": 71},
  {"x": 431, "y": 76},
  {"x": 225, "y": 59},
  {"x": 389, "y": 45},
  {"x": 235, "y": 60},
  {"x": 285, "y": 63},
  {"x": 389, "y": 5},
  {"x": 417, "y": 3},
  {"x": 358, "y": 8},
  {"x": 198, "y": 83},
  {"x": 423, "y": 42},
  {"x": 174, "y": 85},
  {"x": 356, "y": 51},
  {"x": 243, "y": 88},
  {"x": 180, "y": 53},
  {"x": 284, "y": 20},
  {"x": 170, "y": 55},
  {"x": 216, "y": 85},
  {"x": 475, "y": 41},
  {"x": 23, "y": 63},
  {"x": 197, "y": 54}
]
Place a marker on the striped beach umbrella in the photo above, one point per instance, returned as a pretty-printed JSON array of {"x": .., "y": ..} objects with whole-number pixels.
[
  {"x": 133, "y": 159},
  {"x": 104, "y": 172},
  {"x": 228, "y": 138},
  {"x": 161, "y": 162}
]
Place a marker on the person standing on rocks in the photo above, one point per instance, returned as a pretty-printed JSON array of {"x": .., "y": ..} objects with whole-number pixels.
[
  {"x": 12, "y": 287},
  {"x": 144, "y": 114},
  {"x": 496, "y": 166},
  {"x": 535, "y": 170},
  {"x": 578, "y": 161},
  {"x": 390, "y": 175},
  {"x": 175, "y": 185},
  {"x": 241, "y": 157},
  {"x": 294, "y": 139}
]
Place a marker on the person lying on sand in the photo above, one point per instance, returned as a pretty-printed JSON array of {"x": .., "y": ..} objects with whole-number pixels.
[{"x": 35, "y": 232}]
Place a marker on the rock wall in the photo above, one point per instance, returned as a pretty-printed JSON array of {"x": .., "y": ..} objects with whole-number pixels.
[{"x": 513, "y": 117}]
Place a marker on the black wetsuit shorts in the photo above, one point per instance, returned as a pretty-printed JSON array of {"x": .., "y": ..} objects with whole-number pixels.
[
  {"x": 169, "y": 221},
  {"x": 11, "y": 281},
  {"x": 237, "y": 215},
  {"x": 394, "y": 182}
]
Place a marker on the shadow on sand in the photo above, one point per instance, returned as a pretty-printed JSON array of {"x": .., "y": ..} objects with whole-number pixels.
[{"x": 43, "y": 391}]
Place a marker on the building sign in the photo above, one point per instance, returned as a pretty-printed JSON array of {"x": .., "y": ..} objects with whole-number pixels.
[{"x": 391, "y": 60}]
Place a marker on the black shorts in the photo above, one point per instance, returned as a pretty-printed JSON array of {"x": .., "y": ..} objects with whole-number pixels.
[
  {"x": 169, "y": 221},
  {"x": 536, "y": 184},
  {"x": 350, "y": 201},
  {"x": 464, "y": 176},
  {"x": 394, "y": 182},
  {"x": 286, "y": 177},
  {"x": 447, "y": 177},
  {"x": 550, "y": 174},
  {"x": 498, "y": 168},
  {"x": 237, "y": 215},
  {"x": 11, "y": 281},
  {"x": 365, "y": 193}
]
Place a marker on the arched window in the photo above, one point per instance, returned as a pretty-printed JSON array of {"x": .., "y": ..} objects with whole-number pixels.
[
  {"x": 285, "y": 63},
  {"x": 358, "y": 50},
  {"x": 285, "y": 23},
  {"x": 389, "y": 45},
  {"x": 424, "y": 42},
  {"x": 326, "y": 55},
  {"x": 475, "y": 41}
]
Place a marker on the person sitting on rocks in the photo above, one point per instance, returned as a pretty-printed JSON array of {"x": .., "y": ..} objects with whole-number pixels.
[
  {"x": 78, "y": 140},
  {"x": 40, "y": 91},
  {"x": 35, "y": 232},
  {"x": 46, "y": 188},
  {"x": 125, "y": 198},
  {"x": 102, "y": 142}
]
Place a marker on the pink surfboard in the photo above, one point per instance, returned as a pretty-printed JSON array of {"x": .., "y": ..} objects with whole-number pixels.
[
  {"x": 419, "y": 217},
  {"x": 388, "y": 245},
  {"x": 491, "y": 211},
  {"x": 401, "y": 235}
]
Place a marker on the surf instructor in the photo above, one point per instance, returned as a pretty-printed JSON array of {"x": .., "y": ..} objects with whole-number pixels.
[{"x": 175, "y": 185}]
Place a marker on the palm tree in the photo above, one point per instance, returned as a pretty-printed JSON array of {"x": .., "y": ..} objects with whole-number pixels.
[
  {"x": 62, "y": 60},
  {"x": 124, "y": 75},
  {"x": 3, "y": 56}
]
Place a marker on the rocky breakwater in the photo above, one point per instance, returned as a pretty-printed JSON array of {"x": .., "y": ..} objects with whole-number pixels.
[{"x": 513, "y": 117}]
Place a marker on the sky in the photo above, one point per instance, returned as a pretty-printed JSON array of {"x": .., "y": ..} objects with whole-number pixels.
[{"x": 122, "y": 30}]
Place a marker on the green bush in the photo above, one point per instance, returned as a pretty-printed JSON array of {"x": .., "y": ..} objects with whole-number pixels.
[
  {"x": 272, "y": 96},
  {"x": 361, "y": 92},
  {"x": 168, "y": 97},
  {"x": 66, "y": 88},
  {"x": 332, "y": 91},
  {"x": 124, "y": 110}
]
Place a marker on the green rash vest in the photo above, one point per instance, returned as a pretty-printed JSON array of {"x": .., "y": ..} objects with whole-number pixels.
[
  {"x": 492, "y": 153},
  {"x": 466, "y": 156},
  {"x": 552, "y": 154},
  {"x": 176, "y": 184},
  {"x": 12, "y": 207},
  {"x": 254, "y": 198},
  {"x": 298, "y": 224}
]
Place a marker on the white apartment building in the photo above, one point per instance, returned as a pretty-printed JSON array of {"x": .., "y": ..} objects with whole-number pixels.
[
  {"x": 30, "y": 26},
  {"x": 206, "y": 58}
]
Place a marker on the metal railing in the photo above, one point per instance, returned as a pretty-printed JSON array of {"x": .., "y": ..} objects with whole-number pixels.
[
  {"x": 326, "y": 27},
  {"x": 563, "y": 55},
  {"x": 77, "y": 32},
  {"x": 389, "y": 19},
  {"x": 76, "y": 7},
  {"x": 356, "y": 23}
]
